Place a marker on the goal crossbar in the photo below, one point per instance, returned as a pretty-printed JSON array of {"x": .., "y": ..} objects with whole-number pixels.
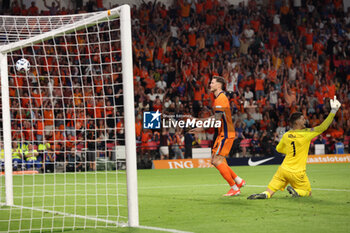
[{"x": 64, "y": 29}]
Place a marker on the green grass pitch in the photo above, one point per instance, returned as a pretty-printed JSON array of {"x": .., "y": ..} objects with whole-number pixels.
[{"x": 191, "y": 200}]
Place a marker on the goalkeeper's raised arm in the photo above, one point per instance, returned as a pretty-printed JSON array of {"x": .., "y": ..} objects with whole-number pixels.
[{"x": 335, "y": 105}]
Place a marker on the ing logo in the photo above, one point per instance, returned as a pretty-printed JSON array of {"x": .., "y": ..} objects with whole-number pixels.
[{"x": 151, "y": 120}]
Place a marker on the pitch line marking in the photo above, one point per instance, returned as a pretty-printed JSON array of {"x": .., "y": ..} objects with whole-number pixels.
[
  {"x": 97, "y": 219},
  {"x": 251, "y": 186}
]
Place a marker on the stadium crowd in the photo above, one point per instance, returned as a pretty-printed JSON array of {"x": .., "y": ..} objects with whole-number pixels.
[{"x": 278, "y": 58}]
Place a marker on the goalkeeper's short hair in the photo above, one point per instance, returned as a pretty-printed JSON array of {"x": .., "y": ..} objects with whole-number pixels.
[{"x": 294, "y": 117}]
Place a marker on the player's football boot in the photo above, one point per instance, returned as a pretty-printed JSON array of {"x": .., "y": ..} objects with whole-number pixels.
[
  {"x": 232, "y": 192},
  {"x": 242, "y": 184},
  {"x": 292, "y": 192},
  {"x": 257, "y": 196}
]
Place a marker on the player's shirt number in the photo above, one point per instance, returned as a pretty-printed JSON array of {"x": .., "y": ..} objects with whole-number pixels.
[{"x": 293, "y": 144}]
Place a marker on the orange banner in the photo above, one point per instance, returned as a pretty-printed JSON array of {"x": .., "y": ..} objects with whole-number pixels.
[
  {"x": 331, "y": 158},
  {"x": 181, "y": 163}
]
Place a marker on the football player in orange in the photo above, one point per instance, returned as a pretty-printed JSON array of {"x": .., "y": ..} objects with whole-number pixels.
[{"x": 225, "y": 137}]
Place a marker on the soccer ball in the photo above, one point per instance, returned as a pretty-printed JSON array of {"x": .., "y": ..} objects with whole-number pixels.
[{"x": 22, "y": 65}]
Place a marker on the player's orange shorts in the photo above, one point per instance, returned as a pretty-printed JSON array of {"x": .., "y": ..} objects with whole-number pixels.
[{"x": 222, "y": 146}]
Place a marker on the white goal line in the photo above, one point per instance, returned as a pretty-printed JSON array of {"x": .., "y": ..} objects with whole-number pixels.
[
  {"x": 249, "y": 186},
  {"x": 97, "y": 219}
]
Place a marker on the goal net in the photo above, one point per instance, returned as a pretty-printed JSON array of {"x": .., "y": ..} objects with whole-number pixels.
[{"x": 68, "y": 154}]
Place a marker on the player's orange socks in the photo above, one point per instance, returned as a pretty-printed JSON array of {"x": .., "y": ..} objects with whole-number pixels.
[
  {"x": 224, "y": 170},
  {"x": 233, "y": 174}
]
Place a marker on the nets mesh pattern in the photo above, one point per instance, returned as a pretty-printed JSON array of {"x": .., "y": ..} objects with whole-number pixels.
[{"x": 67, "y": 126}]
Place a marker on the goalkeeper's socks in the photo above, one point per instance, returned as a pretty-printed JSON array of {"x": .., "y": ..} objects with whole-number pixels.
[
  {"x": 225, "y": 172},
  {"x": 302, "y": 193},
  {"x": 268, "y": 195}
]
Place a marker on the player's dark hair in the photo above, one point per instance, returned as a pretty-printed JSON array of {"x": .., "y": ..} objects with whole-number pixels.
[
  {"x": 222, "y": 81},
  {"x": 294, "y": 117}
]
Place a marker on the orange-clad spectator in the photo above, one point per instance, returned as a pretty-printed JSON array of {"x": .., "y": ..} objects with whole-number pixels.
[
  {"x": 255, "y": 24},
  {"x": 15, "y": 8},
  {"x": 80, "y": 119},
  {"x": 309, "y": 76},
  {"x": 335, "y": 131},
  {"x": 331, "y": 89},
  {"x": 208, "y": 5},
  {"x": 37, "y": 98},
  {"x": 157, "y": 105},
  {"x": 314, "y": 121},
  {"x": 259, "y": 87},
  {"x": 288, "y": 60},
  {"x": 99, "y": 108},
  {"x": 338, "y": 4},
  {"x": 261, "y": 101},
  {"x": 163, "y": 11},
  {"x": 25, "y": 101},
  {"x": 201, "y": 41},
  {"x": 20, "y": 81},
  {"x": 276, "y": 61},
  {"x": 309, "y": 37},
  {"x": 149, "y": 53},
  {"x": 146, "y": 135},
  {"x": 250, "y": 82},
  {"x": 70, "y": 142},
  {"x": 302, "y": 29},
  {"x": 39, "y": 128},
  {"x": 204, "y": 64},
  {"x": 198, "y": 93},
  {"x": 318, "y": 47},
  {"x": 264, "y": 123},
  {"x": 273, "y": 39},
  {"x": 272, "y": 74},
  {"x": 99, "y": 4},
  {"x": 210, "y": 18},
  {"x": 78, "y": 97},
  {"x": 48, "y": 117},
  {"x": 28, "y": 131},
  {"x": 271, "y": 10},
  {"x": 24, "y": 11},
  {"x": 320, "y": 97},
  {"x": 138, "y": 127},
  {"x": 185, "y": 8},
  {"x": 144, "y": 14},
  {"x": 192, "y": 40},
  {"x": 144, "y": 72},
  {"x": 136, "y": 70},
  {"x": 186, "y": 72},
  {"x": 159, "y": 57},
  {"x": 150, "y": 83},
  {"x": 289, "y": 96},
  {"x": 199, "y": 7},
  {"x": 284, "y": 9}
]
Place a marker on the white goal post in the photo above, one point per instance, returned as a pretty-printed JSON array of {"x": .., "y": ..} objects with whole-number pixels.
[{"x": 104, "y": 189}]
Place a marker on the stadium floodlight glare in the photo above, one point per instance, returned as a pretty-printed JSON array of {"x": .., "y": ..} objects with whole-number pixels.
[{"x": 74, "y": 108}]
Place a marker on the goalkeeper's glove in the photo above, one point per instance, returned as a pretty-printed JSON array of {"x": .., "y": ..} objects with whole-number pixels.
[{"x": 335, "y": 105}]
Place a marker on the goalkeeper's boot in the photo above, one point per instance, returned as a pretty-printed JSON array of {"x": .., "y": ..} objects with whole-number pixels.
[
  {"x": 292, "y": 191},
  {"x": 257, "y": 196},
  {"x": 242, "y": 184},
  {"x": 232, "y": 192}
]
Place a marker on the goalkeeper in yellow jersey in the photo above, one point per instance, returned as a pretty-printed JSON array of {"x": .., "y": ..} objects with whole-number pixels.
[{"x": 295, "y": 145}]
